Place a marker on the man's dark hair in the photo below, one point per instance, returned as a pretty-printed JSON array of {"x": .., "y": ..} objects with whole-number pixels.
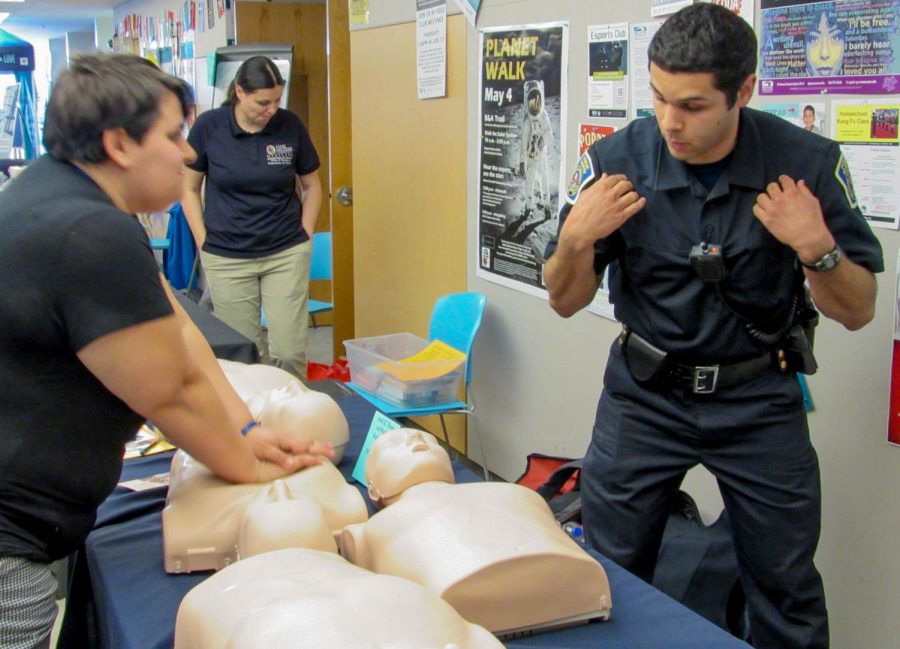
[
  {"x": 255, "y": 73},
  {"x": 809, "y": 108},
  {"x": 106, "y": 91},
  {"x": 707, "y": 38}
]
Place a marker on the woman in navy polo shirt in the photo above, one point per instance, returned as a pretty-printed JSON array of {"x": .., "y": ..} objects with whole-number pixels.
[{"x": 254, "y": 230}]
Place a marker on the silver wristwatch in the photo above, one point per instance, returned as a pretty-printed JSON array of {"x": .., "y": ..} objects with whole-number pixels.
[{"x": 829, "y": 261}]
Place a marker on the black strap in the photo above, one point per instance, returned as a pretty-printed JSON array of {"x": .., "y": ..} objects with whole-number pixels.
[{"x": 559, "y": 477}]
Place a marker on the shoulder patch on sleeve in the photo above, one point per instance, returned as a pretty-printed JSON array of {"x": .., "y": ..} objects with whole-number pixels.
[
  {"x": 842, "y": 173},
  {"x": 584, "y": 173}
]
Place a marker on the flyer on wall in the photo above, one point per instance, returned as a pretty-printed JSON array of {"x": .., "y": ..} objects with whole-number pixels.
[
  {"x": 867, "y": 133},
  {"x": 521, "y": 119},
  {"x": 641, "y": 95},
  {"x": 842, "y": 46},
  {"x": 608, "y": 70},
  {"x": 808, "y": 115}
]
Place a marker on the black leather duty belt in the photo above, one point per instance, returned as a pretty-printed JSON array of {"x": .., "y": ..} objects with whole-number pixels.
[
  {"x": 706, "y": 379},
  {"x": 653, "y": 367}
]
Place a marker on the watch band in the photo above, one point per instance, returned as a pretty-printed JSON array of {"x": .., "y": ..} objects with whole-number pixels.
[{"x": 829, "y": 261}]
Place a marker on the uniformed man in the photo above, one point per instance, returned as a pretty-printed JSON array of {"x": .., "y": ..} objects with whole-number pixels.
[{"x": 711, "y": 216}]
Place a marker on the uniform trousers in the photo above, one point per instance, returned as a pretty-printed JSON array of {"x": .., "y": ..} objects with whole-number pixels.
[
  {"x": 278, "y": 284},
  {"x": 754, "y": 439},
  {"x": 27, "y": 604}
]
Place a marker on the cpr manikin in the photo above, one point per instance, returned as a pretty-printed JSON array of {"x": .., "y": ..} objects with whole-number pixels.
[
  {"x": 205, "y": 516},
  {"x": 492, "y": 550},
  {"x": 537, "y": 133},
  {"x": 278, "y": 399},
  {"x": 308, "y": 598}
]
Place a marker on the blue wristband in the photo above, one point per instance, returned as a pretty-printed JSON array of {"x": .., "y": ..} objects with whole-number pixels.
[{"x": 246, "y": 429}]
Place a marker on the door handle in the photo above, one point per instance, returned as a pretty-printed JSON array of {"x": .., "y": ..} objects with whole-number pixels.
[{"x": 345, "y": 196}]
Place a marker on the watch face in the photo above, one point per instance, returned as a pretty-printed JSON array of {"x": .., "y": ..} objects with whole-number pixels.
[{"x": 827, "y": 262}]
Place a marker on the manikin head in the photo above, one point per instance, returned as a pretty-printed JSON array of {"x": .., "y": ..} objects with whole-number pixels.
[
  {"x": 314, "y": 414},
  {"x": 402, "y": 458}
]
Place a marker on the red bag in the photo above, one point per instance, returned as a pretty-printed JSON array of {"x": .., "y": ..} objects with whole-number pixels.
[
  {"x": 540, "y": 467},
  {"x": 321, "y": 371}
]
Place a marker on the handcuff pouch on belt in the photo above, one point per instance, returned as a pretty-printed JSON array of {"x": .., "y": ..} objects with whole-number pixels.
[{"x": 646, "y": 362}]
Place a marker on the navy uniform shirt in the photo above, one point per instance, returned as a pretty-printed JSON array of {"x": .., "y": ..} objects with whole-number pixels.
[
  {"x": 251, "y": 204},
  {"x": 653, "y": 285}
]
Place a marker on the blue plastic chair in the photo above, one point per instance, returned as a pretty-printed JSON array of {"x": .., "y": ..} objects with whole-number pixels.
[
  {"x": 319, "y": 268},
  {"x": 455, "y": 320}
]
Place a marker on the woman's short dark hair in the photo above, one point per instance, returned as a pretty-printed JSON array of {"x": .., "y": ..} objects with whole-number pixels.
[
  {"x": 255, "y": 73},
  {"x": 106, "y": 91},
  {"x": 707, "y": 38}
]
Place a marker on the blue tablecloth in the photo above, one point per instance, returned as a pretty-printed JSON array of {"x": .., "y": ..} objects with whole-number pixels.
[{"x": 121, "y": 598}]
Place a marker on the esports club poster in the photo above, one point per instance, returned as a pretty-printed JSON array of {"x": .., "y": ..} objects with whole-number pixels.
[{"x": 522, "y": 142}]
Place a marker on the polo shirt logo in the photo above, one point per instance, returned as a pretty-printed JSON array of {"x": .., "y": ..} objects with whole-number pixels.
[
  {"x": 279, "y": 154},
  {"x": 842, "y": 173},
  {"x": 584, "y": 173}
]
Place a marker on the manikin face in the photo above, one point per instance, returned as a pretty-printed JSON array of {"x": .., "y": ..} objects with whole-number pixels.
[
  {"x": 694, "y": 117},
  {"x": 809, "y": 118},
  {"x": 824, "y": 48},
  {"x": 159, "y": 159},
  {"x": 402, "y": 458},
  {"x": 256, "y": 108}
]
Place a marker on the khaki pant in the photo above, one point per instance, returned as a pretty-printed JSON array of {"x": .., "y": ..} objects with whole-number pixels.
[{"x": 279, "y": 284}]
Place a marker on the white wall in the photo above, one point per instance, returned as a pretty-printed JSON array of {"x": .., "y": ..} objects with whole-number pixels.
[{"x": 537, "y": 378}]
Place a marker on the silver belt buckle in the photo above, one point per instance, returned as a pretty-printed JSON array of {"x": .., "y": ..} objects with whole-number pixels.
[{"x": 705, "y": 379}]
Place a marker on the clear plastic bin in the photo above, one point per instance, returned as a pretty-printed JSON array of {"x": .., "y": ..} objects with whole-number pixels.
[{"x": 375, "y": 367}]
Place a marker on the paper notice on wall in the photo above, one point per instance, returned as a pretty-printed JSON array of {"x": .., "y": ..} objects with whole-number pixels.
[
  {"x": 868, "y": 135},
  {"x": 431, "y": 48},
  {"x": 608, "y": 70}
]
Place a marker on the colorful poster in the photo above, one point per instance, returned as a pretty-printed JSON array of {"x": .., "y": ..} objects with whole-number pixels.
[
  {"x": 743, "y": 8},
  {"x": 590, "y": 133},
  {"x": 641, "y": 96},
  {"x": 842, "y": 46},
  {"x": 431, "y": 48},
  {"x": 867, "y": 132},
  {"x": 810, "y": 116},
  {"x": 608, "y": 70},
  {"x": 521, "y": 118}
]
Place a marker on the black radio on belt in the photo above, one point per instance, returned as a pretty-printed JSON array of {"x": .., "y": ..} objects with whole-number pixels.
[{"x": 706, "y": 258}]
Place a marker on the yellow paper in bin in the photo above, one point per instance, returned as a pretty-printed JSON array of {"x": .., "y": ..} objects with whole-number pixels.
[{"x": 436, "y": 360}]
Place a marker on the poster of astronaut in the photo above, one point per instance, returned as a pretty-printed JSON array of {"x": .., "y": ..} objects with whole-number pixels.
[{"x": 522, "y": 142}]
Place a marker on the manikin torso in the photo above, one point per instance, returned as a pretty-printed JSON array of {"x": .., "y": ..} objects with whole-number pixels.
[
  {"x": 307, "y": 598},
  {"x": 205, "y": 515},
  {"x": 492, "y": 550}
]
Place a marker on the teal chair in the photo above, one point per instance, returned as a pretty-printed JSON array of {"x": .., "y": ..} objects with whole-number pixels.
[
  {"x": 319, "y": 268},
  {"x": 455, "y": 320}
]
